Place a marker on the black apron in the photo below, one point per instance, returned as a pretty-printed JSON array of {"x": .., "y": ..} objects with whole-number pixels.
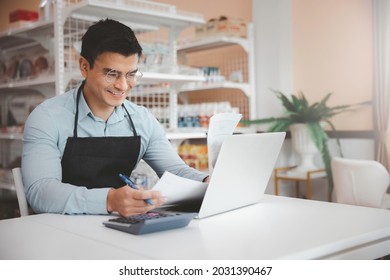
[{"x": 95, "y": 162}]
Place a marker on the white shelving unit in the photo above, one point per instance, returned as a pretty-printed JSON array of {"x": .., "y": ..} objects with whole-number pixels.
[
  {"x": 141, "y": 12},
  {"x": 59, "y": 37},
  {"x": 221, "y": 41},
  {"x": 245, "y": 87},
  {"x": 31, "y": 37},
  {"x": 145, "y": 15},
  {"x": 51, "y": 36},
  {"x": 11, "y": 136}
]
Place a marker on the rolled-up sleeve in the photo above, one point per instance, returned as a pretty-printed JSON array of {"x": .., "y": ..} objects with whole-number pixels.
[{"x": 42, "y": 172}]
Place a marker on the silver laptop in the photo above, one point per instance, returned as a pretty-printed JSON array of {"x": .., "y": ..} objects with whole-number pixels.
[{"x": 242, "y": 172}]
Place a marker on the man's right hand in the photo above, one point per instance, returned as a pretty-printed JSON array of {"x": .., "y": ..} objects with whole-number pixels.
[{"x": 127, "y": 201}]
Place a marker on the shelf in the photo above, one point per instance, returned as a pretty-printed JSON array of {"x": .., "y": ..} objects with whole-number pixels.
[
  {"x": 150, "y": 77},
  {"x": 202, "y": 51},
  {"x": 212, "y": 42},
  {"x": 158, "y": 14},
  {"x": 11, "y": 136},
  {"x": 199, "y": 132},
  {"x": 30, "y": 29},
  {"x": 186, "y": 135},
  {"x": 7, "y": 186},
  {"x": 208, "y": 86},
  {"x": 24, "y": 36},
  {"x": 41, "y": 80},
  {"x": 177, "y": 138}
]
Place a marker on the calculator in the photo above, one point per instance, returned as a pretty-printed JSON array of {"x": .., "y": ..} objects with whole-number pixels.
[{"x": 152, "y": 221}]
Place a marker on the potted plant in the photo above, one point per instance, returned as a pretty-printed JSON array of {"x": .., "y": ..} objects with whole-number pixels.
[{"x": 315, "y": 117}]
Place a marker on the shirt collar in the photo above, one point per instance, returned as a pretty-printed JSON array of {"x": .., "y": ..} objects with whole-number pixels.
[{"x": 84, "y": 110}]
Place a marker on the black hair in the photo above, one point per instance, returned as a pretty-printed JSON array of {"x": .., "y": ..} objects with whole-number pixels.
[{"x": 108, "y": 35}]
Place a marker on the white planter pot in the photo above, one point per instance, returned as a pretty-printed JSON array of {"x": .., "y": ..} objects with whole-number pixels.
[{"x": 304, "y": 146}]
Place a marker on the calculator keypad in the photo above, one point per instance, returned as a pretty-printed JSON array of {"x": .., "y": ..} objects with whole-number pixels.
[
  {"x": 150, "y": 222},
  {"x": 139, "y": 218}
]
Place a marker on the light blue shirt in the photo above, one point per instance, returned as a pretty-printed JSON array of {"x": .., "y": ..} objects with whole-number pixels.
[{"x": 46, "y": 132}]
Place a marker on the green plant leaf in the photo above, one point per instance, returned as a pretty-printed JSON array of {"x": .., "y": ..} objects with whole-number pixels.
[
  {"x": 299, "y": 110},
  {"x": 320, "y": 139}
]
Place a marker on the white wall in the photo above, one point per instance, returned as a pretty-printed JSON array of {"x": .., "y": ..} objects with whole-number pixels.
[
  {"x": 273, "y": 51},
  {"x": 316, "y": 47},
  {"x": 333, "y": 52}
]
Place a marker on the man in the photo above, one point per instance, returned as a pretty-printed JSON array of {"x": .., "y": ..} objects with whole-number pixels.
[{"x": 75, "y": 145}]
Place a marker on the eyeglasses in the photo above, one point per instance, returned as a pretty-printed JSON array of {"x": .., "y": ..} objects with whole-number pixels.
[{"x": 131, "y": 77}]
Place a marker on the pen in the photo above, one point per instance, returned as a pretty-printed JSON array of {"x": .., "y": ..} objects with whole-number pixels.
[{"x": 132, "y": 185}]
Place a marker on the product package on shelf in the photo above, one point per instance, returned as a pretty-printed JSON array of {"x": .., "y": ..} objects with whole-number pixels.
[
  {"x": 12, "y": 68},
  {"x": 71, "y": 58},
  {"x": 156, "y": 57},
  {"x": 195, "y": 156},
  {"x": 198, "y": 114},
  {"x": 24, "y": 66},
  {"x": 17, "y": 107},
  {"x": 229, "y": 26},
  {"x": 3, "y": 72},
  {"x": 41, "y": 65},
  {"x": 144, "y": 176},
  {"x": 20, "y": 18},
  {"x": 20, "y": 14}
]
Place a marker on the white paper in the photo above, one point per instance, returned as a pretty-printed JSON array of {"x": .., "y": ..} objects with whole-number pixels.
[
  {"x": 220, "y": 126},
  {"x": 176, "y": 188}
]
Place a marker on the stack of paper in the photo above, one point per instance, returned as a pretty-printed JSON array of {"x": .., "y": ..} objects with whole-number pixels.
[
  {"x": 176, "y": 188},
  {"x": 220, "y": 126}
]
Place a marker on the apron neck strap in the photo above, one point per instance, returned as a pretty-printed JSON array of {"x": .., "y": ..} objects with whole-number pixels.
[
  {"x": 131, "y": 121},
  {"x": 76, "y": 117}
]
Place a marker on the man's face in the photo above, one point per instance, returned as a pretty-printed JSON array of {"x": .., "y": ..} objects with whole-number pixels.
[{"x": 109, "y": 81}]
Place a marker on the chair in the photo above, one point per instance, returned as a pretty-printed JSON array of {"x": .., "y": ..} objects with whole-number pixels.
[
  {"x": 361, "y": 182},
  {"x": 22, "y": 201}
]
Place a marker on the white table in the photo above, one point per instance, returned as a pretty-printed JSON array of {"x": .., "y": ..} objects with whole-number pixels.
[{"x": 275, "y": 228}]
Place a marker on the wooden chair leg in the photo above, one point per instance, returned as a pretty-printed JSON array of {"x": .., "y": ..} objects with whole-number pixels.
[
  {"x": 297, "y": 189},
  {"x": 308, "y": 189},
  {"x": 276, "y": 182}
]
